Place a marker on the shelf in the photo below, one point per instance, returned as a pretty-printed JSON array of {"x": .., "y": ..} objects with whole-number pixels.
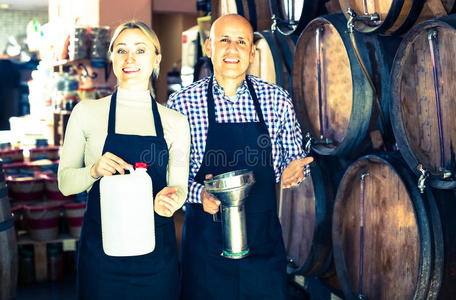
[
  {"x": 40, "y": 251},
  {"x": 25, "y": 239},
  {"x": 98, "y": 63}
]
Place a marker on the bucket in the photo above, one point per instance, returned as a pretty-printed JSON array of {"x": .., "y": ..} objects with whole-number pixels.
[
  {"x": 51, "y": 153},
  {"x": 51, "y": 187},
  {"x": 8, "y": 245},
  {"x": 17, "y": 169},
  {"x": 256, "y": 11},
  {"x": 386, "y": 235},
  {"x": 397, "y": 16},
  {"x": 12, "y": 156},
  {"x": 43, "y": 220},
  {"x": 25, "y": 188},
  {"x": 43, "y": 165},
  {"x": 333, "y": 100},
  {"x": 74, "y": 214},
  {"x": 423, "y": 106}
]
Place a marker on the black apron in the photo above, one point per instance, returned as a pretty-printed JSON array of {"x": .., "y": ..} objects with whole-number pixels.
[
  {"x": 262, "y": 275},
  {"x": 149, "y": 276}
]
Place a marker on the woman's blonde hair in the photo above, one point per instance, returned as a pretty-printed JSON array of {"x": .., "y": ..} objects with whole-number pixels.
[{"x": 149, "y": 33}]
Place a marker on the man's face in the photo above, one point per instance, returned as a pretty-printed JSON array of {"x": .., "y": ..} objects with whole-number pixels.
[{"x": 231, "y": 47}]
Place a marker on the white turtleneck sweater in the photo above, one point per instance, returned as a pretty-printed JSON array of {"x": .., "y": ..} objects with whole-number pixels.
[{"x": 87, "y": 130}]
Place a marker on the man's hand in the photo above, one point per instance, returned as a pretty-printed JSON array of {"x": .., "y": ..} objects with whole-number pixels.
[
  {"x": 294, "y": 172},
  {"x": 166, "y": 201},
  {"x": 210, "y": 203}
]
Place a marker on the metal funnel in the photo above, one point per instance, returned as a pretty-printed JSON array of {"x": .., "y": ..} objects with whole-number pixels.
[{"x": 231, "y": 188}]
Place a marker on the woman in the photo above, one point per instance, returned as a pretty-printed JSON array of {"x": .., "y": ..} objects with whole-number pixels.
[{"x": 109, "y": 135}]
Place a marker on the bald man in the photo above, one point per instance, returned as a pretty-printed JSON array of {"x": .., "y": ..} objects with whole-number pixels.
[{"x": 249, "y": 124}]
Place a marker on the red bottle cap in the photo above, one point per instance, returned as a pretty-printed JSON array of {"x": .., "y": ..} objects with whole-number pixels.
[{"x": 140, "y": 165}]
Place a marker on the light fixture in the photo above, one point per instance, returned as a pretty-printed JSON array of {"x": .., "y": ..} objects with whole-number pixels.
[{"x": 4, "y": 6}]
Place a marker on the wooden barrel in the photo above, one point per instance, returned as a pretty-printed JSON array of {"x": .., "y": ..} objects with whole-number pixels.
[
  {"x": 273, "y": 58},
  {"x": 423, "y": 106},
  {"x": 396, "y": 16},
  {"x": 8, "y": 244},
  {"x": 333, "y": 99},
  {"x": 203, "y": 68},
  {"x": 446, "y": 204},
  {"x": 290, "y": 17},
  {"x": 305, "y": 215},
  {"x": 330, "y": 7},
  {"x": 256, "y": 11},
  {"x": 396, "y": 253}
]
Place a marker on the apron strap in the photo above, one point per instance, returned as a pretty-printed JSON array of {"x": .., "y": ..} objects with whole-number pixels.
[
  {"x": 157, "y": 119},
  {"x": 211, "y": 104},
  {"x": 112, "y": 116}
]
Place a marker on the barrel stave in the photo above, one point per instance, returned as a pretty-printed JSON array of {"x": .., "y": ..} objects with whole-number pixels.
[
  {"x": 292, "y": 22},
  {"x": 256, "y": 11},
  {"x": 396, "y": 17},
  {"x": 305, "y": 216},
  {"x": 273, "y": 58}
]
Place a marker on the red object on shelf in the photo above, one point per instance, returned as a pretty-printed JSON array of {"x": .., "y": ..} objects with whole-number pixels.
[
  {"x": 25, "y": 188},
  {"x": 12, "y": 156},
  {"x": 51, "y": 153},
  {"x": 43, "y": 220},
  {"x": 74, "y": 213},
  {"x": 51, "y": 187}
]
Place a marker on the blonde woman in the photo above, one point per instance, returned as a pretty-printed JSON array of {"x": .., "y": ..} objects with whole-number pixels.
[{"x": 105, "y": 137}]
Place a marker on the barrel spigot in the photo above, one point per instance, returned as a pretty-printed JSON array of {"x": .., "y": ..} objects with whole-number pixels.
[
  {"x": 422, "y": 180},
  {"x": 356, "y": 18},
  {"x": 274, "y": 23},
  {"x": 308, "y": 144}
]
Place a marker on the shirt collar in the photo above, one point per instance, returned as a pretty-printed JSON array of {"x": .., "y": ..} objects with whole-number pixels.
[{"x": 218, "y": 90}]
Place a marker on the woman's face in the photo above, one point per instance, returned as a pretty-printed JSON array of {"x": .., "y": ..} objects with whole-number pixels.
[{"x": 134, "y": 58}]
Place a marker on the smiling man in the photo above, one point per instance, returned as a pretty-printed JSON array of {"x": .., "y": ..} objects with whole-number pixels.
[{"x": 237, "y": 121}]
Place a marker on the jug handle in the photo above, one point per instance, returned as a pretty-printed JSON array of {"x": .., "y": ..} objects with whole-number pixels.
[{"x": 131, "y": 170}]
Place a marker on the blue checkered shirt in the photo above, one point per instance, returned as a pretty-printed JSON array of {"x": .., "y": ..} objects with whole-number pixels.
[{"x": 278, "y": 114}]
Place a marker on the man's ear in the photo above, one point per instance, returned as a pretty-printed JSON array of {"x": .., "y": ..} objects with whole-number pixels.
[
  {"x": 208, "y": 48},
  {"x": 252, "y": 53}
]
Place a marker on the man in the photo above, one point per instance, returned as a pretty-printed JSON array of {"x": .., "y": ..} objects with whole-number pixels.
[{"x": 237, "y": 122}]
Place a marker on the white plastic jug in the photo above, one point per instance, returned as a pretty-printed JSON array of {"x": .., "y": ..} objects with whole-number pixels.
[{"x": 127, "y": 213}]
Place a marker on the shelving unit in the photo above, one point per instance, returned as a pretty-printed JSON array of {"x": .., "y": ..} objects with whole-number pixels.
[{"x": 40, "y": 253}]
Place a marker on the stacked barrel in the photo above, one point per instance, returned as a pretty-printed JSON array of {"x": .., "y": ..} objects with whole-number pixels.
[
  {"x": 40, "y": 209},
  {"x": 372, "y": 85}
]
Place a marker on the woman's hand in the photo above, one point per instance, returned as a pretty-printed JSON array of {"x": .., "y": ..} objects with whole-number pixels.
[
  {"x": 107, "y": 165},
  {"x": 294, "y": 172},
  {"x": 166, "y": 201}
]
